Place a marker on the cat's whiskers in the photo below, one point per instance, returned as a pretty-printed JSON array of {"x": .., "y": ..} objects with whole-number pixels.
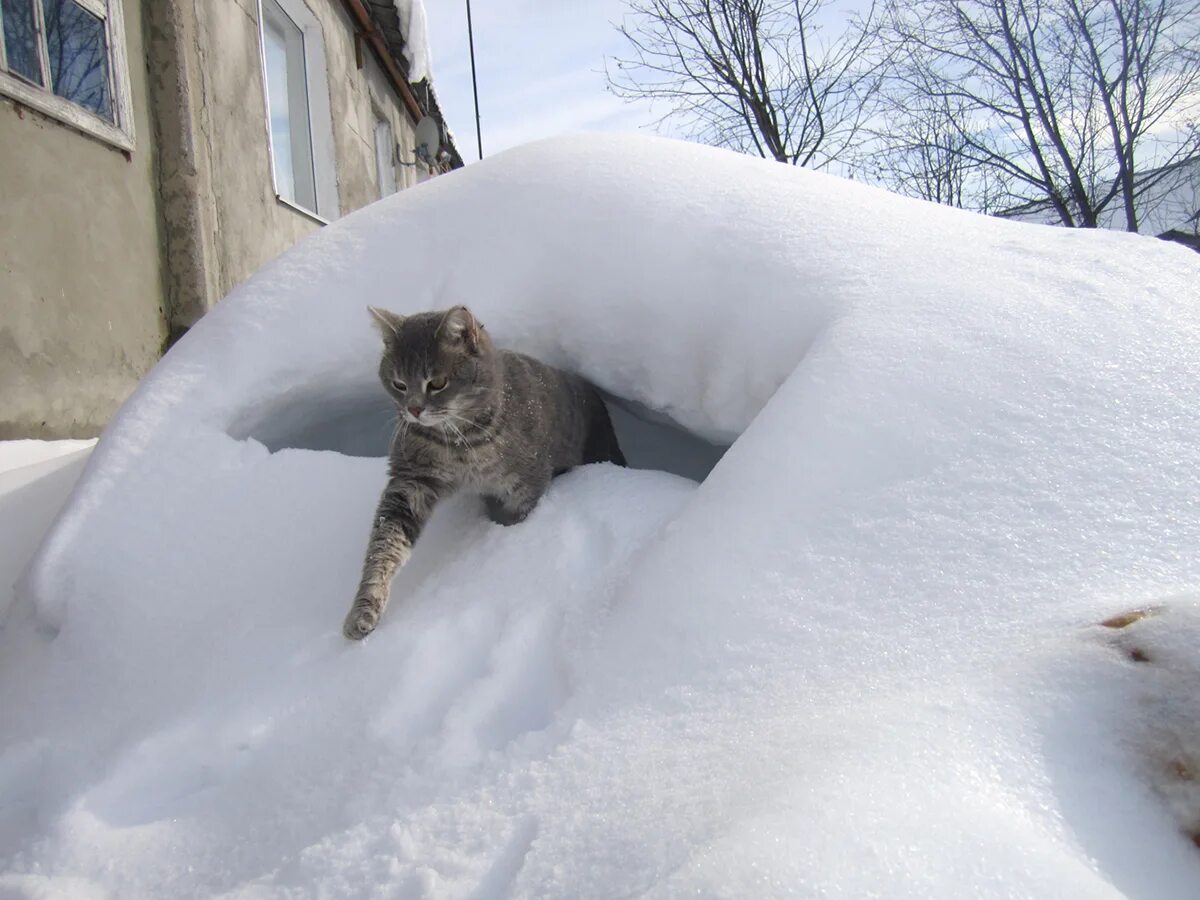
[
  {"x": 390, "y": 422},
  {"x": 476, "y": 425},
  {"x": 398, "y": 431},
  {"x": 463, "y": 441}
]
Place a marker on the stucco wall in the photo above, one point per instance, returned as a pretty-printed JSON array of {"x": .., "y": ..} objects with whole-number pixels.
[
  {"x": 80, "y": 288},
  {"x": 102, "y": 257},
  {"x": 356, "y": 97},
  {"x": 228, "y": 154}
]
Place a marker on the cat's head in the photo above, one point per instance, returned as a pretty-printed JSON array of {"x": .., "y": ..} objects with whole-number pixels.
[{"x": 436, "y": 365}]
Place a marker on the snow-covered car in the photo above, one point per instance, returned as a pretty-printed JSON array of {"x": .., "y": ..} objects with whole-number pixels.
[{"x": 835, "y": 633}]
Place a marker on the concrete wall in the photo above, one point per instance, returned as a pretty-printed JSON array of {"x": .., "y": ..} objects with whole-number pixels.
[
  {"x": 356, "y": 97},
  {"x": 81, "y": 317},
  {"x": 216, "y": 159},
  {"x": 102, "y": 259}
]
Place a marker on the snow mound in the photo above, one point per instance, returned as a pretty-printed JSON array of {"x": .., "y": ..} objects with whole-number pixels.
[{"x": 859, "y": 658}]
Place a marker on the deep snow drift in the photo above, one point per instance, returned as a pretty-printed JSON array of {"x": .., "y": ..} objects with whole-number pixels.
[{"x": 862, "y": 658}]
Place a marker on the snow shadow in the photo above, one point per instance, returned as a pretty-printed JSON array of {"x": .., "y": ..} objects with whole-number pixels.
[{"x": 360, "y": 423}]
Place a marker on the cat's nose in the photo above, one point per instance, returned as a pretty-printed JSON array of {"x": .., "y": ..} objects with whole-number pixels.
[{"x": 416, "y": 411}]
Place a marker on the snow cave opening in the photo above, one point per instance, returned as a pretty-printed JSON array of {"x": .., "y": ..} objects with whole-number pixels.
[{"x": 359, "y": 421}]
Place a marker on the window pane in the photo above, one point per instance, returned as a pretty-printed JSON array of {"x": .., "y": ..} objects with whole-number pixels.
[
  {"x": 287, "y": 106},
  {"x": 277, "y": 106},
  {"x": 385, "y": 156},
  {"x": 20, "y": 39},
  {"x": 78, "y": 56}
]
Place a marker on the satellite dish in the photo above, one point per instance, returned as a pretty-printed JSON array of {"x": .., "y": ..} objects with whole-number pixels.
[{"x": 429, "y": 138}]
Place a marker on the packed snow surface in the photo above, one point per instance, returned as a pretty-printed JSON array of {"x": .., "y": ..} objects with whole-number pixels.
[{"x": 861, "y": 658}]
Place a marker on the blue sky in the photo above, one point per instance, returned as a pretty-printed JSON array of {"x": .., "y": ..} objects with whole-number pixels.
[{"x": 540, "y": 67}]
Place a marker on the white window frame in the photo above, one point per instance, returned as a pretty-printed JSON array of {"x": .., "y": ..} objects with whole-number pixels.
[
  {"x": 385, "y": 163},
  {"x": 320, "y": 120},
  {"x": 42, "y": 98}
]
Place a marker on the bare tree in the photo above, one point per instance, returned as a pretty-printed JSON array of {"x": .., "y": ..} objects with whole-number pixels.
[
  {"x": 752, "y": 75},
  {"x": 919, "y": 150},
  {"x": 1081, "y": 106}
]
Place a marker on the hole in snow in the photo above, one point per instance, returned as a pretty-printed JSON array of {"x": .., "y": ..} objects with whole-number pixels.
[
  {"x": 651, "y": 441},
  {"x": 353, "y": 422},
  {"x": 359, "y": 422}
]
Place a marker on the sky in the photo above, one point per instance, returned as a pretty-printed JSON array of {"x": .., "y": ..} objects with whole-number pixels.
[{"x": 540, "y": 66}]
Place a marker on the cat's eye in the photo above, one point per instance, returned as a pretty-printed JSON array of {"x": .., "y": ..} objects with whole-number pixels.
[
  {"x": 437, "y": 384},
  {"x": 399, "y": 385}
]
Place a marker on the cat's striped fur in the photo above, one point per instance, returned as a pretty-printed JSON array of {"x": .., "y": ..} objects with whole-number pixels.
[{"x": 472, "y": 417}]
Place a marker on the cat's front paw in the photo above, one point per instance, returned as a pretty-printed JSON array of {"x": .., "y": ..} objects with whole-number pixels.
[
  {"x": 361, "y": 620},
  {"x": 503, "y": 514}
]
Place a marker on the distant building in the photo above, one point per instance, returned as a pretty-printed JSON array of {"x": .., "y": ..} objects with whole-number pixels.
[
  {"x": 154, "y": 153},
  {"x": 1167, "y": 205}
]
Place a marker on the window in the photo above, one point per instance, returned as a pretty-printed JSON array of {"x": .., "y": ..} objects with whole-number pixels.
[
  {"x": 66, "y": 58},
  {"x": 287, "y": 103},
  {"x": 385, "y": 157},
  {"x": 298, "y": 123}
]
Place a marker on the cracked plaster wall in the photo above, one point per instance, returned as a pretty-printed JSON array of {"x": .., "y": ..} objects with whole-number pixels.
[
  {"x": 81, "y": 311},
  {"x": 103, "y": 259}
]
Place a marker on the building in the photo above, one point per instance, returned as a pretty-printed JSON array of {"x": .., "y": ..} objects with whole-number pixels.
[
  {"x": 154, "y": 153},
  {"x": 1167, "y": 202}
]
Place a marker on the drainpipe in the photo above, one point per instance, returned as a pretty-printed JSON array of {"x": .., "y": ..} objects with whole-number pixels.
[{"x": 188, "y": 272}]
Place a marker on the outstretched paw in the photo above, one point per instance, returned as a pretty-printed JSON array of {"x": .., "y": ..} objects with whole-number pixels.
[
  {"x": 502, "y": 514},
  {"x": 360, "y": 622}
]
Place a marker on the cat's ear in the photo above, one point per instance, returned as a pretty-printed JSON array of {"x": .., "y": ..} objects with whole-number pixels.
[
  {"x": 459, "y": 324},
  {"x": 389, "y": 323}
]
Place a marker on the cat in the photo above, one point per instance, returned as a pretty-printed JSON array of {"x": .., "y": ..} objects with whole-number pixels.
[{"x": 473, "y": 417}]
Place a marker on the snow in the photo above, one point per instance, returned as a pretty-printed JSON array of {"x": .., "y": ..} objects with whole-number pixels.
[
  {"x": 416, "y": 39},
  {"x": 35, "y": 479},
  {"x": 863, "y": 657},
  {"x": 21, "y": 453}
]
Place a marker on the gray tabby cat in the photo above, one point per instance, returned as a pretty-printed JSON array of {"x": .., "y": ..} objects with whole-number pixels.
[{"x": 471, "y": 416}]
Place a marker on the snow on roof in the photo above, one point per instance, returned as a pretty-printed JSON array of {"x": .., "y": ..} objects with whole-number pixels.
[
  {"x": 862, "y": 657},
  {"x": 416, "y": 39}
]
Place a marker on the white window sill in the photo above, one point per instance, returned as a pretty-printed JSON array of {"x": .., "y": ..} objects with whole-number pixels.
[
  {"x": 307, "y": 213},
  {"x": 66, "y": 112}
]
